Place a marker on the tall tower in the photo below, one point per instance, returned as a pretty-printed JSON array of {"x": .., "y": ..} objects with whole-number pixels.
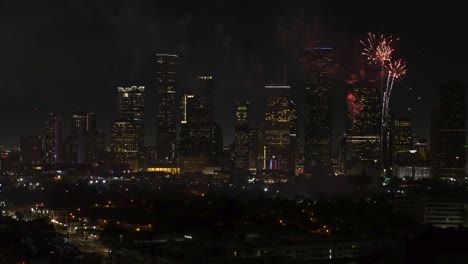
[
  {"x": 451, "y": 131},
  {"x": 128, "y": 132},
  {"x": 82, "y": 132},
  {"x": 242, "y": 137},
  {"x": 53, "y": 139},
  {"x": 166, "y": 134},
  {"x": 402, "y": 139},
  {"x": 280, "y": 126},
  {"x": 200, "y": 136},
  {"x": 362, "y": 140},
  {"x": 318, "y": 123}
]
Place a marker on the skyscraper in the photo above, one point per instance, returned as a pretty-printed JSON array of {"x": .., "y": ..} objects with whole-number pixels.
[
  {"x": 318, "y": 143},
  {"x": 402, "y": 138},
  {"x": 450, "y": 144},
  {"x": 31, "y": 149},
  {"x": 362, "y": 139},
  {"x": 53, "y": 139},
  {"x": 99, "y": 147},
  {"x": 82, "y": 132},
  {"x": 241, "y": 137},
  {"x": 199, "y": 134},
  {"x": 127, "y": 141},
  {"x": 166, "y": 134},
  {"x": 255, "y": 148},
  {"x": 280, "y": 125}
]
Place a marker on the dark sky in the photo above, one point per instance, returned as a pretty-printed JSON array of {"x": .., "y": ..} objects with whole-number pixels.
[{"x": 62, "y": 56}]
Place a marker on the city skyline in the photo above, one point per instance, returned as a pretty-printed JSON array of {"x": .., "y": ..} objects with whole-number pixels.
[
  {"x": 273, "y": 44},
  {"x": 233, "y": 131}
]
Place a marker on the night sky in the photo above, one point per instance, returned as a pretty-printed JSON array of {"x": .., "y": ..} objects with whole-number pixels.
[{"x": 63, "y": 56}]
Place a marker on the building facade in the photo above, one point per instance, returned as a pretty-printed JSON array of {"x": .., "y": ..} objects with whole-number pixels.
[
  {"x": 362, "y": 140},
  {"x": 448, "y": 130},
  {"x": 280, "y": 129},
  {"x": 242, "y": 137},
  {"x": 127, "y": 139},
  {"x": 166, "y": 130},
  {"x": 82, "y": 132},
  {"x": 402, "y": 139},
  {"x": 199, "y": 134},
  {"x": 318, "y": 122},
  {"x": 53, "y": 139}
]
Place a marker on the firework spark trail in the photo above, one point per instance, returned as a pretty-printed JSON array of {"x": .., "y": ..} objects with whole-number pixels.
[
  {"x": 384, "y": 51},
  {"x": 370, "y": 47},
  {"x": 397, "y": 70},
  {"x": 380, "y": 51}
]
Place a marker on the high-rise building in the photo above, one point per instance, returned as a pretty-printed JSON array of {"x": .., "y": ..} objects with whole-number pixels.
[
  {"x": 280, "y": 129},
  {"x": 362, "y": 140},
  {"x": 166, "y": 134},
  {"x": 402, "y": 138},
  {"x": 449, "y": 131},
  {"x": 99, "y": 148},
  {"x": 199, "y": 134},
  {"x": 31, "y": 149},
  {"x": 318, "y": 122},
  {"x": 255, "y": 148},
  {"x": 131, "y": 103},
  {"x": 82, "y": 132},
  {"x": 53, "y": 139},
  {"x": 242, "y": 137},
  {"x": 127, "y": 142}
]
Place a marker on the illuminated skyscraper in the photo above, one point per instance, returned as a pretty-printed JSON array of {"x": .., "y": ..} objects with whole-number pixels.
[
  {"x": 318, "y": 143},
  {"x": 127, "y": 141},
  {"x": 199, "y": 134},
  {"x": 242, "y": 137},
  {"x": 131, "y": 103},
  {"x": 166, "y": 134},
  {"x": 53, "y": 139},
  {"x": 82, "y": 132},
  {"x": 402, "y": 138},
  {"x": 280, "y": 129},
  {"x": 449, "y": 126},
  {"x": 362, "y": 140}
]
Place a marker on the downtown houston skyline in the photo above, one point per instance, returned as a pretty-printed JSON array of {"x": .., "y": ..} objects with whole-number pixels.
[{"x": 242, "y": 60}]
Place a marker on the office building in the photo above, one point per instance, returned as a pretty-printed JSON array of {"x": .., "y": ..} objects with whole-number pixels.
[
  {"x": 363, "y": 119},
  {"x": 53, "y": 139},
  {"x": 127, "y": 139},
  {"x": 199, "y": 134},
  {"x": 242, "y": 137},
  {"x": 82, "y": 132},
  {"x": 166, "y": 133},
  {"x": 402, "y": 138},
  {"x": 448, "y": 132},
  {"x": 318, "y": 122},
  {"x": 280, "y": 129}
]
